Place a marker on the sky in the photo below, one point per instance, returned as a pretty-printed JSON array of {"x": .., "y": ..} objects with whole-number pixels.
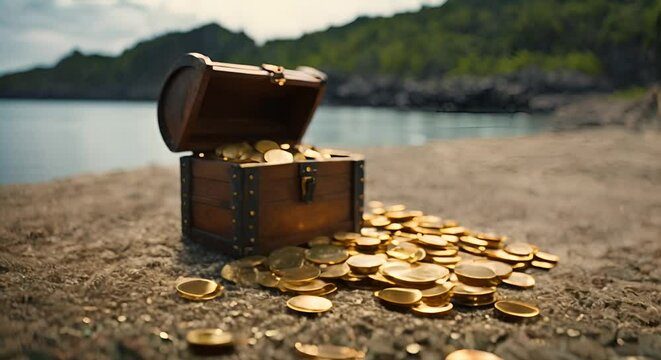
[{"x": 40, "y": 32}]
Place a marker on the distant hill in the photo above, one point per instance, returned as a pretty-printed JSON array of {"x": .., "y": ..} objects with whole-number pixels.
[{"x": 604, "y": 44}]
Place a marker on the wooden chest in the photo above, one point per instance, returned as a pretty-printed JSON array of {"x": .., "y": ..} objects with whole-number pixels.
[{"x": 253, "y": 208}]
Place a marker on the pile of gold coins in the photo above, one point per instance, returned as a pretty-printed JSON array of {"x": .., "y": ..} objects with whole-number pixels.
[
  {"x": 411, "y": 261},
  {"x": 267, "y": 151}
]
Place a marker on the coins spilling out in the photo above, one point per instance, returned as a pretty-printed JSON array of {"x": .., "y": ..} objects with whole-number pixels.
[
  {"x": 267, "y": 151},
  {"x": 428, "y": 265},
  {"x": 411, "y": 261}
]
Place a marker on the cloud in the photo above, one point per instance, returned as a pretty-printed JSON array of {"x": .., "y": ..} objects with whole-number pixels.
[{"x": 42, "y": 31}]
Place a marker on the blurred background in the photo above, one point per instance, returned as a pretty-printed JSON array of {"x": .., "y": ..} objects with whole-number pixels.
[{"x": 79, "y": 79}]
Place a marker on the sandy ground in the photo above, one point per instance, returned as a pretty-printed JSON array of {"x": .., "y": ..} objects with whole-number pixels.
[{"x": 106, "y": 246}]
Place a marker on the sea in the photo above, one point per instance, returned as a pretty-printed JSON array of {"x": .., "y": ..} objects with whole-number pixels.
[{"x": 42, "y": 140}]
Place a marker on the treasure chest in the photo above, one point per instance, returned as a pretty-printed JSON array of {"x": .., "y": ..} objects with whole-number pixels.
[{"x": 252, "y": 208}]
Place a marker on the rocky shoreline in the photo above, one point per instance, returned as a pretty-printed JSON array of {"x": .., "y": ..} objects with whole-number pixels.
[{"x": 531, "y": 90}]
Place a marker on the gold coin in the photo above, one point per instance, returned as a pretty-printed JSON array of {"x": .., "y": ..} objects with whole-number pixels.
[
  {"x": 402, "y": 216},
  {"x": 278, "y": 156},
  {"x": 455, "y": 230},
  {"x": 300, "y": 274},
  {"x": 437, "y": 290},
  {"x": 267, "y": 279},
  {"x": 488, "y": 237},
  {"x": 265, "y": 145},
  {"x": 364, "y": 241},
  {"x": 446, "y": 260},
  {"x": 351, "y": 277},
  {"x": 519, "y": 249},
  {"x": 475, "y": 275},
  {"x": 542, "y": 264},
  {"x": 309, "y": 304},
  {"x": 230, "y": 151},
  {"x": 516, "y": 309},
  {"x": 334, "y": 271},
  {"x": 256, "y": 156},
  {"x": 380, "y": 221},
  {"x": 397, "y": 207},
  {"x": 429, "y": 310},
  {"x": 218, "y": 151},
  {"x": 368, "y": 231},
  {"x": 417, "y": 274},
  {"x": 313, "y": 285},
  {"x": 470, "y": 354},
  {"x": 239, "y": 274},
  {"x": 450, "y": 223},
  {"x": 365, "y": 264},
  {"x": 299, "y": 157},
  {"x": 378, "y": 211},
  {"x": 474, "y": 301},
  {"x": 393, "y": 227},
  {"x": 379, "y": 278},
  {"x": 520, "y": 279},
  {"x": 326, "y": 254},
  {"x": 451, "y": 239},
  {"x": 467, "y": 290},
  {"x": 473, "y": 241},
  {"x": 399, "y": 296},
  {"x": 195, "y": 287},
  {"x": 346, "y": 236},
  {"x": 319, "y": 240},
  {"x": 209, "y": 338},
  {"x": 327, "y": 351},
  {"x": 445, "y": 252},
  {"x": 405, "y": 251},
  {"x": 366, "y": 218},
  {"x": 218, "y": 292},
  {"x": 250, "y": 261},
  {"x": 285, "y": 258},
  {"x": 429, "y": 219},
  {"x": 502, "y": 255},
  {"x": 374, "y": 204},
  {"x": 501, "y": 269},
  {"x": 313, "y": 154},
  {"x": 478, "y": 251},
  {"x": 544, "y": 256},
  {"x": 433, "y": 241},
  {"x": 329, "y": 288}
]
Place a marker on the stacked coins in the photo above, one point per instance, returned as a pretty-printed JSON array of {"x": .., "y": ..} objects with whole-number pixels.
[
  {"x": 267, "y": 151},
  {"x": 411, "y": 261}
]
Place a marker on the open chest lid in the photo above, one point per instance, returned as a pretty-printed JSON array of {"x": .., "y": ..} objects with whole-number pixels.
[{"x": 204, "y": 104}]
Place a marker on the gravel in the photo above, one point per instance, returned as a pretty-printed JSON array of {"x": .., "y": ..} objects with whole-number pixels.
[{"x": 88, "y": 264}]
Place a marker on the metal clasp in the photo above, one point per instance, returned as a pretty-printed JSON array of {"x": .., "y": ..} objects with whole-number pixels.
[
  {"x": 308, "y": 182},
  {"x": 277, "y": 74}
]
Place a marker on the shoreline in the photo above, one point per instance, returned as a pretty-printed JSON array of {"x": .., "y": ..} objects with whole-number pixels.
[{"x": 368, "y": 149}]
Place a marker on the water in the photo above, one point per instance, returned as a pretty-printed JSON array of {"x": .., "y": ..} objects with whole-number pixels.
[{"x": 42, "y": 140}]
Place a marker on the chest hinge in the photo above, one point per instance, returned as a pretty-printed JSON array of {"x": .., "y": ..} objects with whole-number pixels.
[{"x": 277, "y": 73}]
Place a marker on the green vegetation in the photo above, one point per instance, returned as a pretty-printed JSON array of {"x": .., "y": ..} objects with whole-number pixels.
[
  {"x": 634, "y": 92},
  {"x": 614, "y": 39},
  {"x": 585, "y": 62},
  {"x": 482, "y": 37}
]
